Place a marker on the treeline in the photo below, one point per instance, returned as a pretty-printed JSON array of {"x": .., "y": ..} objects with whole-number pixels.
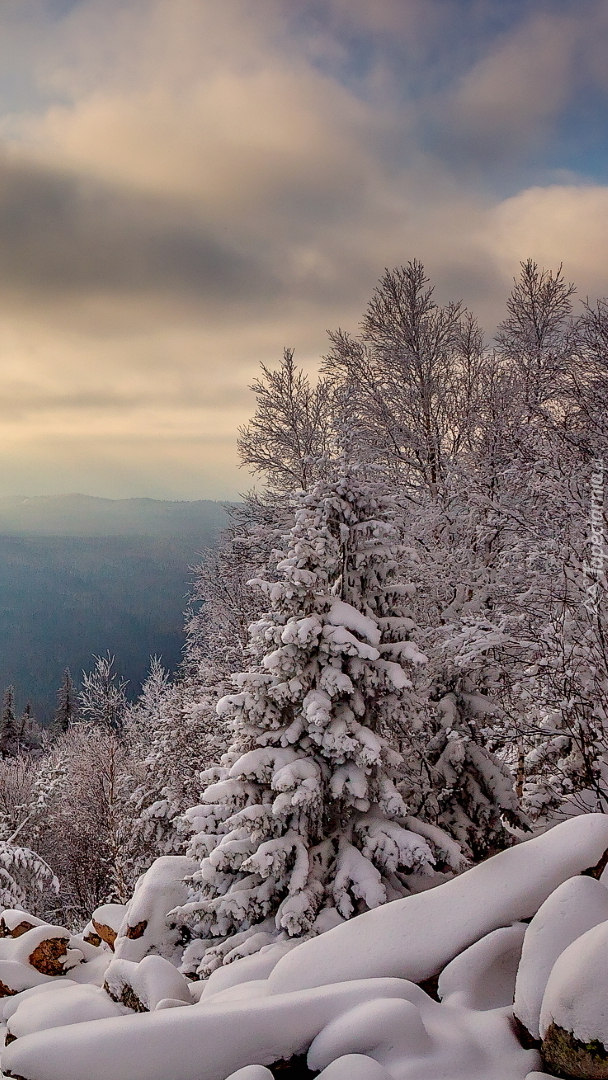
[{"x": 449, "y": 492}]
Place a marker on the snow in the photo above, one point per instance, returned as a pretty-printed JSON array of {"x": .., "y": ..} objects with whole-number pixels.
[
  {"x": 483, "y": 976},
  {"x": 355, "y": 1067},
  {"x": 152, "y": 980},
  {"x": 416, "y": 937},
  {"x": 11, "y": 1004},
  {"x": 20, "y": 950},
  {"x": 575, "y": 907},
  {"x": 575, "y": 996},
  {"x": 361, "y": 1016},
  {"x": 392, "y": 1021},
  {"x": 252, "y": 1072},
  {"x": 416, "y": 1038},
  {"x": 73, "y": 1005},
  {"x": 249, "y": 968}
]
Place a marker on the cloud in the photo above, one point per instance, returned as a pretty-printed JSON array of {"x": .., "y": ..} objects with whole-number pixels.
[
  {"x": 553, "y": 225},
  {"x": 186, "y": 188}
]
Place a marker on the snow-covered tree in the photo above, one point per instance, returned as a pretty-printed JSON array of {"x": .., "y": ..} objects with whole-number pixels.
[
  {"x": 66, "y": 712},
  {"x": 9, "y": 727},
  {"x": 303, "y": 824},
  {"x": 291, "y": 431},
  {"x": 173, "y": 733},
  {"x": 26, "y": 880},
  {"x": 81, "y": 819},
  {"x": 103, "y": 698}
]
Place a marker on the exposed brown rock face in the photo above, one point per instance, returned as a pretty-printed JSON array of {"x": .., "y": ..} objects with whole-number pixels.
[
  {"x": 5, "y": 991},
  {"x": 127, "y": 997},
  {"x": 105, "y": 933},
  {"x": 597, "y": 870},
  {"x": 16, "y": 931},
  {"x": 567, "y": 1057},
  {"x": 92, "y": 939},
  {"x": 137, "y": 931},
  {"x": 48, "y": 955}
]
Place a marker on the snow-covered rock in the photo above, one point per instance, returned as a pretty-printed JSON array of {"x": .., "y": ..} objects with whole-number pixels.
[
  {"x": 147, "y": 926},
  {"x": 573, "y": 908},
  {"x": 73, "y": 1005},
  {"x": 105, "y": 924},
  {"x": 142, "y": 986},
  {"x": 40, "y": 951},
  {"x": 416, "y": 937},
  {"x": 574, "y": 1014},
  {"x": 10, "y": 1004},
  {"x": 209, "y": 1042},
  {"x": 15, "y": 921},
  {"x": 483, "y": 976}
]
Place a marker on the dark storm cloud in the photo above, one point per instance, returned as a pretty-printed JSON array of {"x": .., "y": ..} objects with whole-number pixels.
[{"x": 65, "y": 234}]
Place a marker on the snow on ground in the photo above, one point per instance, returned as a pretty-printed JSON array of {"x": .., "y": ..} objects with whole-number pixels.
[
  {"x": 348, "y": 998},
  {"x": 483, "y": 976},
  {"x": 389, "y": 1020}
]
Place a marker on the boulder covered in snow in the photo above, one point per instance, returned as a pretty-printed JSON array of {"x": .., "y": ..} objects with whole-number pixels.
[
  {"x": 14, "y": 922},
  {"x": 48, "y": 1009},
  {"x": 573, "y": 908},
  {"x": 574, "y": 1014},
  {"x": 36, "y": 954},
  {"x": 142, "y": 986},
  {"x": 148, "y": 926},
  {"x": 105, "y": 924}
]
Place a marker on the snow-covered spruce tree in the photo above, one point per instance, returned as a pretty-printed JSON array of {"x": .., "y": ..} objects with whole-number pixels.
[
  {"x": 9, "y": 727},
  {"x": 66, "y": 712},
  {"x": 303, "y": 825}
]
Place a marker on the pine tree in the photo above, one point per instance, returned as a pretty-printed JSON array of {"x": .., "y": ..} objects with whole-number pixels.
[
  {"x": 303, "y": 825},
  {"x": 67, "y": 704},
  {"x": 9, "y": 730}
]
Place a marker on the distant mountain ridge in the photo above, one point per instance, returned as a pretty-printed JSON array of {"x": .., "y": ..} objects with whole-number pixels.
[
  {"x": 81, "y": 575},
  {"x": 88, "y": 515}
]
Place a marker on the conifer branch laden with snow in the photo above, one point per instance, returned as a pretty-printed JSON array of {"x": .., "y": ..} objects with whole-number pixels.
[{"x": 303, "y": 825}]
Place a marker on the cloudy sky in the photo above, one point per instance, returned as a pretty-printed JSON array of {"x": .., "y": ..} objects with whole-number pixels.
[{"x": 187, "y": 186}]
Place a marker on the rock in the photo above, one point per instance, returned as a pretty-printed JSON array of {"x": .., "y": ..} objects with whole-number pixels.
[
  {"x": 147, "y": 926},
  {"x": 105, "y": 924},
  {"x": 14, "y": 922},
  {"x": 573, "y": 908},
  {"x": 43, "y": 949},
  {"x": 142, "y": 986},
  {"x": 574, "y": 1017},
  {"x": 570, "y": 1057}
]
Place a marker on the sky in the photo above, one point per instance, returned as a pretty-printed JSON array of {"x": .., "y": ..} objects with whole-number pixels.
[{"x": 188, "y": 187}]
